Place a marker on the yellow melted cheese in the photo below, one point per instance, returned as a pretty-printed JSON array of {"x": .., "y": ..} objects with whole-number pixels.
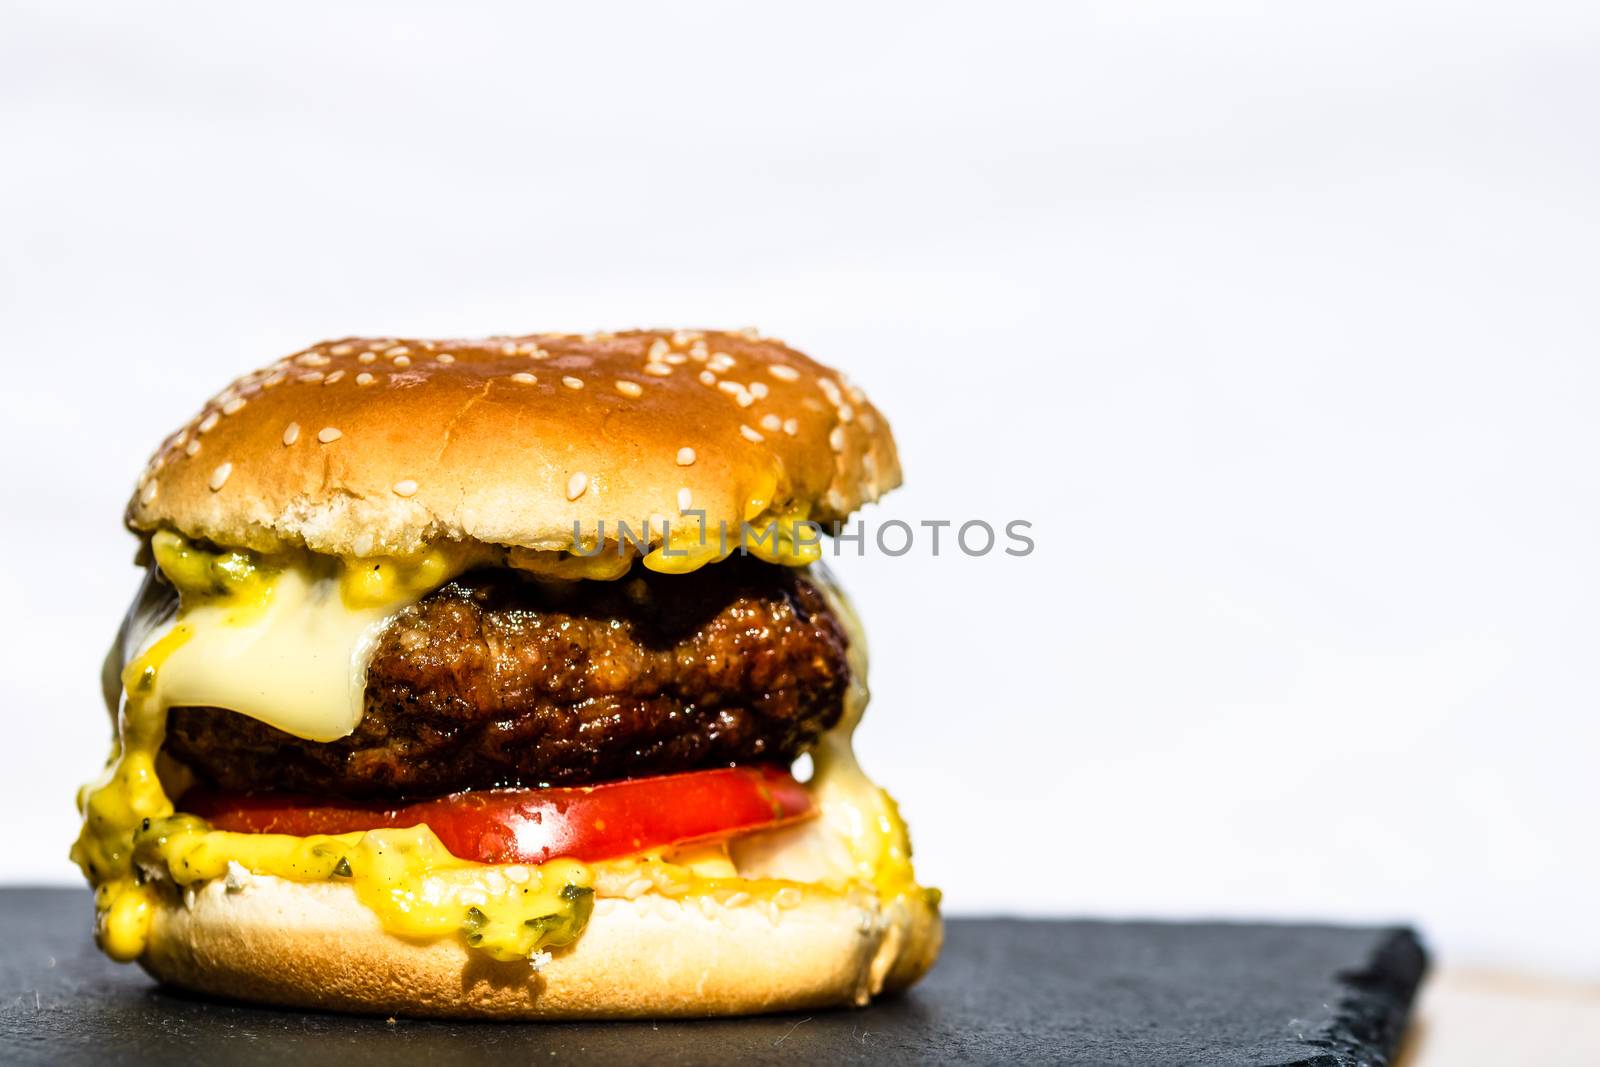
[{"x": 286, "y": 641}]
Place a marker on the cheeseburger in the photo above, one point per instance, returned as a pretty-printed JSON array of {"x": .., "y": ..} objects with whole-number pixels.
[{"x": 467, "y": 678}]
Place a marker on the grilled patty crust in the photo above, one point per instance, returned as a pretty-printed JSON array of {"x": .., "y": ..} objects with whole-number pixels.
[{"x": 496, "y": 679}]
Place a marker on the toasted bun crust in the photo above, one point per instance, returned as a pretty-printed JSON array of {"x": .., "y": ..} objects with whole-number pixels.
[
  {"x": 316, "y": 946},
  {"x": 380, "y": 447}
]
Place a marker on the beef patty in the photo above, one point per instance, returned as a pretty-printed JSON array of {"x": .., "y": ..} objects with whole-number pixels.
[{"x": 496, "y": 679}]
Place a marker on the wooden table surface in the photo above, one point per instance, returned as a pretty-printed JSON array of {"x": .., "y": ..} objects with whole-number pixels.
[{"x": 1471, "y": 1018}]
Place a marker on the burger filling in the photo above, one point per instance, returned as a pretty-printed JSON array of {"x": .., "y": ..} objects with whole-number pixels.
[
  {"x": 497, "y": 679},
  {"x": 480, "y": 747}
]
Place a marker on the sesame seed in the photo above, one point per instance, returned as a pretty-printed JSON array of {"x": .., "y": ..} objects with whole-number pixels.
[
  {"x": 846, "y": 413},
  {"x": 831, "y": 390},
  {"x": 312, "y": 359},
  {"x": 658, "y": 349},
  {"x": 405, "y": 487},
  {"x": 771, "y": 423},
  {"x": 365, "y": 379},
  {"x": 707, "y": 378},
  {"x": 148, "y": 493},
  {"x": 731, "y": 388},
  {"x": 209, "y": 423},
  {"x": 524, "y": 377},
  {"x": 750, "y": 434},
  {"x": 576, "y": 485},
  {"x": 836, "y": 439},
  {"x": 291, "y": 434},
  {"x": 311, "y": 376},
  {"x": 233, "y": 406},
  {"x": 367, "y": 357},
  {"x": 342, "y": 350},
  {"x": 397, "y": 351},
  {"x": 745, "y": 398},
  {"x": 572, "y": 383},
  {"x": 856, "y": 396},
  {"x": 791, "y": 426},
  {"x": 758, "y": 390},
  {"x": 402, "y": 360},
  {"x": 677, "y": 359},
  {"x": 273, "y": 380},
  {"x": 720, "y": 361},
  {"x": 685, "y": 456},
  {"x": 445, "y": 357},
  {"x": 509, "y": 348},
  {"x": 334, "y": 377},
  {"x": 627, "y": 388},
  {"x": 868, "y": 423},
  {"x": 783, "y": 372},
  {"x": 684, "y": 499},
  {"x": 328, "y": 435},
  {"x": 192, "y": 447},
  {"x": 837, "y": 501},
  {"x": 219, "y": 477},
  {"x": 750, "y": 333},
  {"x": 660, "y": 370}
]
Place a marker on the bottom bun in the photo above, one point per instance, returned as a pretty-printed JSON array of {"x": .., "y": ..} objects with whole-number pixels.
[{"x": 314, "y": 945}]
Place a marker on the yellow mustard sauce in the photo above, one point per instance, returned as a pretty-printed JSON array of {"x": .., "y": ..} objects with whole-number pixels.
[
  {"x": 405, "y": 877},
  {"x": 775, "y": 536}
]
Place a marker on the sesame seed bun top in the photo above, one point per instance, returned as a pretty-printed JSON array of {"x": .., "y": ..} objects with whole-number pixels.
[{"x": 383, "y": 446}]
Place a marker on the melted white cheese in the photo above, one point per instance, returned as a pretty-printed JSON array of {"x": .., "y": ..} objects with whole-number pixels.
[
  {"x": 294, "y": 658},
  {"x": 860, "y": 835}
]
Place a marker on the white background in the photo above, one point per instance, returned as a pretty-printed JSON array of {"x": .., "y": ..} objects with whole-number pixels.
[{"x": 1279, "y": 322}]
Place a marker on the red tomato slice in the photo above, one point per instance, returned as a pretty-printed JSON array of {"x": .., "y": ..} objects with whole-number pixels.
[{"x": 534, "y": 825}]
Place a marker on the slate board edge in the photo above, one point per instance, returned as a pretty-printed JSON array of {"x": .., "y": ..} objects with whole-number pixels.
[{"x": 1375, "y": 1013}]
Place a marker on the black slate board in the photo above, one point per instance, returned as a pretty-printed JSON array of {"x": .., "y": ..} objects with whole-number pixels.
[{"x": 1004, "y": 991}]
